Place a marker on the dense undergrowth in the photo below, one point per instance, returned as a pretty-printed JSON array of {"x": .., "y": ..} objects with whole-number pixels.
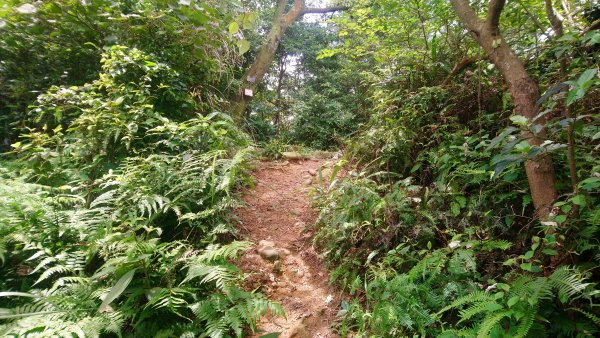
[
  {"x": 125, "y": 229},
  {"x": 431, "y": 229},
  {"x": 120, "y": 169},
  {"x": 115, "y": 197}
]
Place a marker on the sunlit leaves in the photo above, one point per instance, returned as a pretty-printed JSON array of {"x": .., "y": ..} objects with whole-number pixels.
[
  {"x": 117, "y": 290},
  {"x": 234, "y": 28},
  {"x": 249, "y": 20},
  {"x": 580, "y": 86},
  {"x": 243, "y": 46}
]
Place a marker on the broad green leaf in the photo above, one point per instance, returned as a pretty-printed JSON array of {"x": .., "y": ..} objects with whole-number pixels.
[
  {"x": 519, "y": 120},
  {"x": 234, "y": 28},
  {"x": 560, "y": 219},
  {"x": 501, "y": 137},
  {"x": 16, "y": 294},
  {"x": 579, "y": 200},
  {"x": 509, "y": 261},
  {"x": 590, "y": 184},
  {"x": 523, "y": 146},
  {"x": 575, "y": 94},
  {"x": 512, "y": 301},
  {"x": 243, "y": 46},
  {"x": 455, "y": 207},
  {"x": 493, "y": 307},
  {"x": 526, "y": 266},
  {"x": 535, "y": 268},
  {"x": 117, "y": 289},
  {"x": 503, "y": 286},
  {"x": 586, "y": 76},
  {"x": 249, "y": 20}
]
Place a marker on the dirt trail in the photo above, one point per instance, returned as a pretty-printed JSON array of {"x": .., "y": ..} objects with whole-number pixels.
[{"x": 290, "y": 272}]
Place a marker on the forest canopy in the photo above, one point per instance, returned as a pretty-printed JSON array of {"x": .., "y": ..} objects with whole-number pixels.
[{"x": 463, "y": 199}]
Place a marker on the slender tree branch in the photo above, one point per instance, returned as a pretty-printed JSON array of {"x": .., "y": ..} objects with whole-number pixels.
[
  {"x": 459, "y": 66},
  {"x": 494, "y": 11},
  {"x": 554, "y": 18},
  {"x": 595, "y": 25},
  {"x": 312, "y": 10},
  {"x": 568, "y": 14},
  {"x": 533, "y": 18}
]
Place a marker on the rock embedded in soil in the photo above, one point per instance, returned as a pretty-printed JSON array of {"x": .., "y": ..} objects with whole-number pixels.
[
  {"x": 268, "y": 253},
  {"x": 264, "y": 243},
  {"x": 292, "y": 155}
]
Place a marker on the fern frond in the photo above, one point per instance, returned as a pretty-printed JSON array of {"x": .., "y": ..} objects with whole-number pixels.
[
  {"x": 493, "y": 244},
  {"x": 58, "y": 269},
  {"x": 525, "y": 323},
  {"x": 476, "y": 309},
  {"x": 567, "y": 281},
  {"x": 27, "y": 310},
  {"x": 489, "y": 322},
  {"x": 589, "y": 315},
  {"x": 473, "y": 297},
  {"x": 220, "y": 274},
  {"x": 215, "y": 252},
  {"x": 429, "y": 266}
]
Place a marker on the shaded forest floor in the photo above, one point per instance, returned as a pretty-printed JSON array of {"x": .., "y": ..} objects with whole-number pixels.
[{"x": 283, "y": 264}]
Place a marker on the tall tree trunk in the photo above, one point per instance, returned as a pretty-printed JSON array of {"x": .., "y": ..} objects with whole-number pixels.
[
  {"x": 525, "y": 92},
  {"x": 264, "y": 59}
]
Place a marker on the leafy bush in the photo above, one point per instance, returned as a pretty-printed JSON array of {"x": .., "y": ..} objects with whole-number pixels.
[
  {"x": 126, "y": 231},
  {"x": 60, "y": 43},
  {"x": 430, "y": 229}
]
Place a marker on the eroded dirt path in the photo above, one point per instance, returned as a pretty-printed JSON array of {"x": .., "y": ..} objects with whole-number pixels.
[{"x": 283, "y": 263}]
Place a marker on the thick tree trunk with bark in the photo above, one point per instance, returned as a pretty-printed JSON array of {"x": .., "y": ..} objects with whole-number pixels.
[
  {"x": 525, "y": 92},
  {"x": 264, "y": 59}
]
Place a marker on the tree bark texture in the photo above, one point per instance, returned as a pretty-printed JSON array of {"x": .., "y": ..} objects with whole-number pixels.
[{"x": 525, "y": 92}]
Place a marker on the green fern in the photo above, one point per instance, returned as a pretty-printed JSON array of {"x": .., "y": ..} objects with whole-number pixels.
[{"x": 488, "y": 323}]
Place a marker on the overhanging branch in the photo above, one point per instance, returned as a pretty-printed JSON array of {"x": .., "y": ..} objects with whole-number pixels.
[
  {"x": 555, "y": 19},
  {"x": 312, "y": 10},
  {"x": 594, "y": 26},
  {"x": 459, "y": 66}
]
